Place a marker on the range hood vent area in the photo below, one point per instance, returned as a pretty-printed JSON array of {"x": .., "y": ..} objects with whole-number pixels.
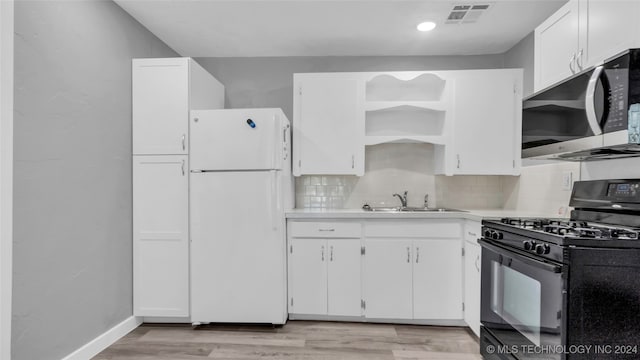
[
  {"x": 602, "y": 153},
  {"x": 466, "y": 14}
]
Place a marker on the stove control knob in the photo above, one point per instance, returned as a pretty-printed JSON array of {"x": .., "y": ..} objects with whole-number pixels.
[
  {"x": 487, "y": 233},
  {"x": 542, "y": 249},
  {"x": 528, "y": 245},
  {"x": 496, "y": 235}
]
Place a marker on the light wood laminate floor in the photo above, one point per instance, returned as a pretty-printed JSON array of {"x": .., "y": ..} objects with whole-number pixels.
[{"x": 306, "y": 340}]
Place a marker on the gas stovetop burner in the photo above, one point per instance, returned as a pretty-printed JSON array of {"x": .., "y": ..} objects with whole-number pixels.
[{"x": 571, "y": 228}]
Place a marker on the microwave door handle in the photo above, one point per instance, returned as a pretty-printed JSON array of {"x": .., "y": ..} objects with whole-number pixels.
[{"x": 589, "y": 101}]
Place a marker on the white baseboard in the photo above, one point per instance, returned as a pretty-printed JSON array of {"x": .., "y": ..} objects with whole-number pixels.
[{"x": 95, "y": 346}]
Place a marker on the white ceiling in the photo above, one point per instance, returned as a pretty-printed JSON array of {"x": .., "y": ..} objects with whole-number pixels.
[{"x": 245, "y": 28}]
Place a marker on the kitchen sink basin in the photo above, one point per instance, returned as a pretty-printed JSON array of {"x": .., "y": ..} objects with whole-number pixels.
[
  {"x": 380, "y": 209},
  {"x": 419, "y": 209},
  {"x": 407, "y": 209}
]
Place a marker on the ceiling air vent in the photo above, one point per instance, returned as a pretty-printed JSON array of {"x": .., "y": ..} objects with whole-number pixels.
[{"x": 466, "y": 14}]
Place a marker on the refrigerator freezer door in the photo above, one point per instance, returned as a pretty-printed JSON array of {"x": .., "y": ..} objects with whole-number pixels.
[
  {"x": 238, "y": 139},
  {"x": 238, "y": 268}
]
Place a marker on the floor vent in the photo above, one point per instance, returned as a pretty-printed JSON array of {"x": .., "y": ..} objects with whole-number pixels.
[{"x": 466, "y": 14}]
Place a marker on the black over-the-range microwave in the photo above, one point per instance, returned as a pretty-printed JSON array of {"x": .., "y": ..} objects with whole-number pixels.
[{"x": 592, "y": 115}]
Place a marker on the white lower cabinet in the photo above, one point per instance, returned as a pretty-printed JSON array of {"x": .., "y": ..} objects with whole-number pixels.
[
  {"x": 380, "y": 270},
  {"x": 307, "y": 276},
  {"x": 414, "y": 271},
  {"x": 388, "y": 285},
  {"x": 413, "y": 279},
  {"x": 437, "y": 279},
  {"x": 472, "y": 276},
  {"x": 344, "y": 293},
  {"x": 160, "y": 236},
  {"x": 324, "y": 270}
]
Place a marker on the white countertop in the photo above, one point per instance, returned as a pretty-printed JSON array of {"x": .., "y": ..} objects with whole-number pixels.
[{"x": 471, "y": 214}]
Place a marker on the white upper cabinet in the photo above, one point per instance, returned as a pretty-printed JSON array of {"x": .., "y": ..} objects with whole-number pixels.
[
  {"x": 327, "y": 124},
  {"x": 556, "y": 46},
  {"x": 336, "y": 115},
  {"x": 582, "y": 34},
  {"x": 487, "y": 129},
  {"x": 610, "y": 26},
  {"x": 163, "y": 93}
]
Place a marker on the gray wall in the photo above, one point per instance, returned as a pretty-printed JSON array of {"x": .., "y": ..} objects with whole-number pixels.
[
  {"x": 521, "y": 56},
  {"x": 72, "y": 181},
  {"x": 268, "y": 81}
]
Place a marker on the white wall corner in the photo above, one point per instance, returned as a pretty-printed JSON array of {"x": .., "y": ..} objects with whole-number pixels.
[
  {"x": 103, "y": 341},
  {"x": 6, "y": 174}
]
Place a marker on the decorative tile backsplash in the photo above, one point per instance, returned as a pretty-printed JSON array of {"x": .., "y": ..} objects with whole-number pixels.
[
  {"x": 395, "y": 168},
  {"x": 323, "y": 192}
]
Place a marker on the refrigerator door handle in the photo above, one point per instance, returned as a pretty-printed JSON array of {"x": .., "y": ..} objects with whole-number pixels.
[
  {"x": 278, "y": 195},
  {"x": 273, "y": 201},
  {"x": 285, "y": 147}
]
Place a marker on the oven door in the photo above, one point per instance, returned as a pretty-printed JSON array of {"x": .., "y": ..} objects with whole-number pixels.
[{"x": 522, "y": 301}]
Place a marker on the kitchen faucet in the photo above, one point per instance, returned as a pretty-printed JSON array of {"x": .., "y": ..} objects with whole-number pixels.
[{"x": 403, "y": 199}]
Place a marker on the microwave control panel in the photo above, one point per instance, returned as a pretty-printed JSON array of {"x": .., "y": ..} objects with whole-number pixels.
[{"x": 616, "y": 81}]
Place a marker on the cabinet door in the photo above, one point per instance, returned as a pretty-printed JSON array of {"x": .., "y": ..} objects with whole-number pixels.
[
  {"x": 308, "y": 276},
  {"x": 609, "y": 28},
  {"x": 556, "y": 46},
  {"x": 160, "y": 236},
  {"x": 388, "y": 279},
  {"x": 344, "y": 294},
  {"x": 488, "y": 113},
  {"x": 327, "y": 126},
  {"x": 472, "y": 286},
  {"x": 160, "y": 107},
  {"x": 437, "y": 279}
]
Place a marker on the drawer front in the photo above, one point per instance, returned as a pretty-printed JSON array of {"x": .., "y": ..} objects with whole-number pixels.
[
  {"x": 414, "y": 229},
  {"x": 325, "y": 229},
  {"x": 472, "y": 231}
]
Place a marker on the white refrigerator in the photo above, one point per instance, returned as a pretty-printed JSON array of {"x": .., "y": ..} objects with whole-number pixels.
[{"x": 240, "y": 186}]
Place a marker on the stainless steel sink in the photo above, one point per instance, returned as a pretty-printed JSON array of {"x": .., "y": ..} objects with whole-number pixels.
[
  {"x": 380, "y": 209},
  {"x": 407, "y": 209},
  {"x": 419, "y": 209}
]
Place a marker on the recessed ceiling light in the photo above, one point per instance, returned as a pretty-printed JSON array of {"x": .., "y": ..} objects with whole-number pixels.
[{"x": 426, "y": 26}]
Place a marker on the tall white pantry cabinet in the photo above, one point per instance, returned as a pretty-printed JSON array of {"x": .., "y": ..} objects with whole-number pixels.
[{"x": 163, "y": 93}]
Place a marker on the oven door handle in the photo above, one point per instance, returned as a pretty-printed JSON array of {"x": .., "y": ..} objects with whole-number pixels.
[{"x": 520, "y": 256}]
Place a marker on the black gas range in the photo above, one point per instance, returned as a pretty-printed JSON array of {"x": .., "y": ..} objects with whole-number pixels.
[{"x": 565, "y": 288}]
